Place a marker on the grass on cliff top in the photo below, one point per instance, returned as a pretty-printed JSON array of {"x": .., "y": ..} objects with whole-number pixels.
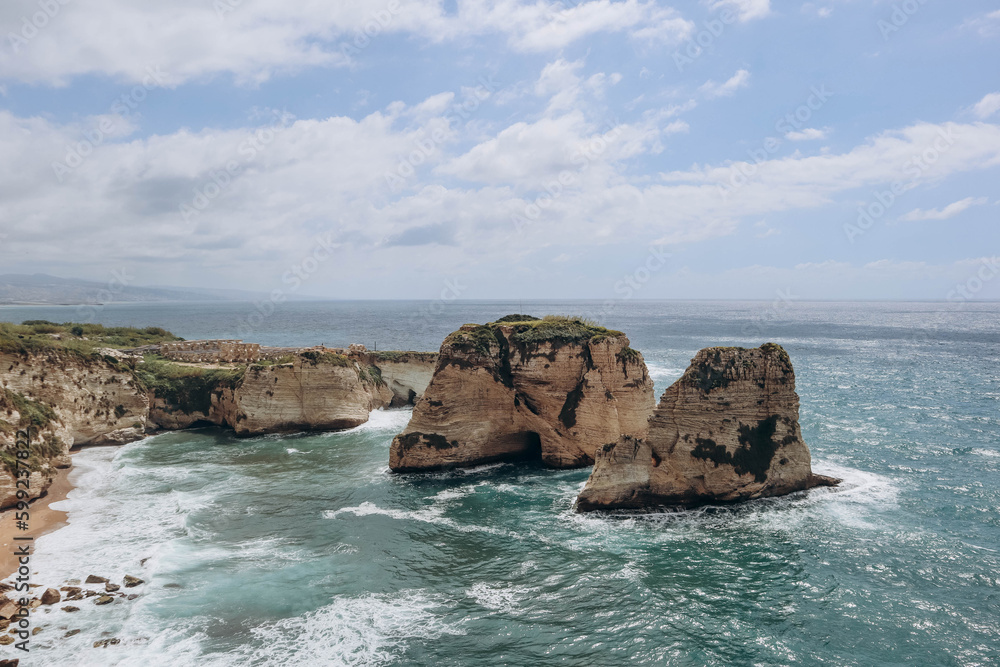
[
  {"x": 188, "y": 388},
  {"x": 318, "y": 357},
  {"x": 555, "y": 327},
  {"x": 36, "y": 336},
  {"x": 532, "y": 330}
]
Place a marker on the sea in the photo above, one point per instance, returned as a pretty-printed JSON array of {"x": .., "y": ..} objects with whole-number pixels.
[{"x": 304, "y": 549}]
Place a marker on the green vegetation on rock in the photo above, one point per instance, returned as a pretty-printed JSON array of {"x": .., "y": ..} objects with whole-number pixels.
[
  {"x": 34, "y": 415},
  {"x": 31, "y": 412},
  {"x": 479, "y": 339},
  {"x": 558, "y": 328},
  {"x": 627, "y": 354},
  {"x": 529, "y": 330},
  {"x": 316, "y": 357},
  {"x": 371, "y": 375},
  {"x": 189, "y": 388},
  {"x": 38, "y": 336}
]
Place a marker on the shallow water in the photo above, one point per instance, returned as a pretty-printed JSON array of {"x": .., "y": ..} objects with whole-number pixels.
[{"x": 304, "y": 550}]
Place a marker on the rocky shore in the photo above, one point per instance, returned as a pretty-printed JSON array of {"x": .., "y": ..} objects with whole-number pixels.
[
  {"x": 24, "y": 614},
  {"x": 75, "y": 385}
]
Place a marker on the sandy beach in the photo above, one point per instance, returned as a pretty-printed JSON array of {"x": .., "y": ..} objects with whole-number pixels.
[{"x": 43, "y": 520}]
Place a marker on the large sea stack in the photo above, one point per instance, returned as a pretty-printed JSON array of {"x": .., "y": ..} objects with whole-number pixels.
[
  {"x": 553, "y": 390},
  {"x": 727, "y": 431}
]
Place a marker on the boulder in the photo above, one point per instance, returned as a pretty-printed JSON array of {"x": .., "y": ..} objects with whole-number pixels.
[
  {"x": 51, "y": 596},
  {"x": 7, "y": 607},
  {"x": 132, "y": 582},
  {"x": 94, "y": 579},
  {"x": 726, "y": 431}
]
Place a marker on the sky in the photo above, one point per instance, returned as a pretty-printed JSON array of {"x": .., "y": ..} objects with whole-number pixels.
[{"x": 477, "y": 149}]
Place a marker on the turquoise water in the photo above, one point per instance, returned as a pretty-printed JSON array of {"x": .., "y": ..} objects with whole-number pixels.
[{"x": 305, "y": 550}]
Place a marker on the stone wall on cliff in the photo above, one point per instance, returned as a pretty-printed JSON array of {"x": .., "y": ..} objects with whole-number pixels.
[
  {"x": 551, "y": 390},
  {"x": 727, "y": 430}
]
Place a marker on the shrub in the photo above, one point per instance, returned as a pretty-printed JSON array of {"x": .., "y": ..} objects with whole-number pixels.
[{"x": 188, "y": 388}]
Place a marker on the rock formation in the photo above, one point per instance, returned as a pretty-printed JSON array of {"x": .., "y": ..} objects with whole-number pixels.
[
  {"x": 69, "y": 399},
  {"x": 71, "y": 396},
  {"x": 406, "y": 374},
  {"x": 728, "y": 430},
  {"x": 316, "y": 391},
  {"x": 552, "y": 389}
]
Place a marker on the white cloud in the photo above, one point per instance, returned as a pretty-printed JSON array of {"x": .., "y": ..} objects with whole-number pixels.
[
  {"x": 765, "y": 231},
  {"x": 987, "y": 25},
  {"x": 745, "y": 9},
  {"x": 987, "y": 106},
  {"x": 194, "y": 39},
  {"x": 807, "y": 134},
  {"x": 329, "y": 176},
  {"x": 949, "y": 211},
  {"x": 711, "y": 89}
]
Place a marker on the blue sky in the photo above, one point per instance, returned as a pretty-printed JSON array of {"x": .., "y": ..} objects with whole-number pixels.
[{"x": 606, "y": 149}]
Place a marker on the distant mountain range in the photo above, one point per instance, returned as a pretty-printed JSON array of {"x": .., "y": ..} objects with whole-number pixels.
[{"x": 40, "y": 288}]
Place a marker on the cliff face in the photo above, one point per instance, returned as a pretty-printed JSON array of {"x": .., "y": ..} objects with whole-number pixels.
[
  {"x": 728, "y": 430},
  {"x": 406, "y": 374},
  {"x": 320, "y": 393},
  {"x": 317, "y": 391},
  {"x": 552, "y": 390},
  {"x": 75, "y": 399},
  {"x": 71, "y": 400}
]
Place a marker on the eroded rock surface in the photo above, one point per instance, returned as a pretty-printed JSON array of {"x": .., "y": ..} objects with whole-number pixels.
[
  {"x": 551, "y": 389},
  {"x": 728, "y": 430}
]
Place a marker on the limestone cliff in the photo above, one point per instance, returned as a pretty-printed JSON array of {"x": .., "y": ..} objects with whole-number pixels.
[
  {"x": 73, "y": 391},
  {"x": 552, "y": 389},
  {"x": 316, "y": 391},
  {"x": 728, "y": 430},
  {"x": 71, "y": 399},
  {"x": 406, "y": 374}
]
